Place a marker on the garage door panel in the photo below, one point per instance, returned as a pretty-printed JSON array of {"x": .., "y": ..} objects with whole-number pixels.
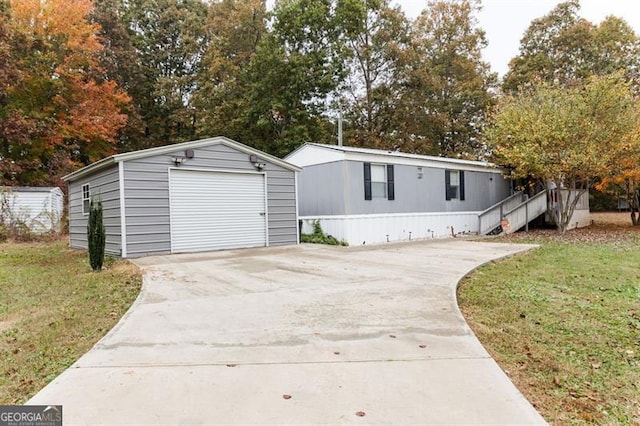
[{"x": 216, "y": 210}]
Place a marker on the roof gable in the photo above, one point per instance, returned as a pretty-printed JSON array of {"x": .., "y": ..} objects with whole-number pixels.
[{"x": 167, "y": 149}]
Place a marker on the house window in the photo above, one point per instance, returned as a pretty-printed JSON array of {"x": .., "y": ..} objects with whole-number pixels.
[
  {"x": 378, "y": 181},
  {"x": 454, "y": 184},
  {"x": 86, "y": 199}
]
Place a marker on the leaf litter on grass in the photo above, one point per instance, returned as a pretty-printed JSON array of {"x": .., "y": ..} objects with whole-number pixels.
[
  {"x": 53, "y": 309},
  {"x": 563, "y": 320}
]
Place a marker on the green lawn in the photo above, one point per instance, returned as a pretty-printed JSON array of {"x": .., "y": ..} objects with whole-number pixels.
[
  {"x": 53, "y": 308},
  {"x": 564, "y": 322}
]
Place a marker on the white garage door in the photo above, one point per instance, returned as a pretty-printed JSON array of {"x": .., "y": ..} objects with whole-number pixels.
[{"x": 216, "y": 210}]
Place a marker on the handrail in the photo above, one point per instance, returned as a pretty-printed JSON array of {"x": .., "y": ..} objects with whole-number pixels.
[
  {"x": 491, "y": 214},
  {"x": 531, "y": 208},
  {"x": 498, "y": 204},
  {"x": 490, "y": 218},
  {"x": 527, "y": 201}
]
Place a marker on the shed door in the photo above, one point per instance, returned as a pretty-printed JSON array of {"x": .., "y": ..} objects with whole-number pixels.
[{"x": 217, "y": 210}]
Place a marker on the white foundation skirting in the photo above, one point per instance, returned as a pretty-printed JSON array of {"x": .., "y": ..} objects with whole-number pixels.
[{"x": 381, "y": 228}]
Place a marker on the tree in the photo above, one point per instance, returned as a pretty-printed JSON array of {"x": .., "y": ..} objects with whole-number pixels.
[
  {"x": 564, "y": 48},
  {"x": 11, "y": 123},
  {"x": 449, "y": 88},
  {"x": 570, "y": 137},
  {"x": 59, "y": 112},
  {"x": 169, "y": 39},
  {"x": 234, "y": 30},
  {"x": 120, "y": 62},
  {"x": 624, "y": 178},
  {"x": 96, "y": 236},
  {"x": 373, "y": 40},
  {"x": 8, "y": 71},
  {"x": 627, "y": 183},
  {"x": 294, "y": 69}
]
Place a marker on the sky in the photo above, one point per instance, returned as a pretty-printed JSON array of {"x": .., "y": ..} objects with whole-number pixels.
[{"x": 505, "y": 21}]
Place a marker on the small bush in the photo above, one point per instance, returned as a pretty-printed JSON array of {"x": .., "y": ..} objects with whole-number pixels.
[
  {"x": 21, "y": 233},
  {"x": 319, "y": 237},
  {"x": 96, "y": 235}
]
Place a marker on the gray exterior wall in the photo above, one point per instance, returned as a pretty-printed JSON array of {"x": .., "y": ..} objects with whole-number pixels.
[
  {"x": 105, "y": 185},
  {"x": 338, "y": 189},
  {"x": 146, "y": 188},
  {"x": 321, "y": 189}
]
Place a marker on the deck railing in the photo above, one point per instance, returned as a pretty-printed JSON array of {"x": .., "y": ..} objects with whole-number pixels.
[
  {"x": 521, "y": 215},
  {"x": 490, "y": 219}
]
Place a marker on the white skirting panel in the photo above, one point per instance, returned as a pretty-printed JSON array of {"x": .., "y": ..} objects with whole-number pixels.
[
  {"x": 381, "y": 228},
  {"x": 580, "y": 219}
]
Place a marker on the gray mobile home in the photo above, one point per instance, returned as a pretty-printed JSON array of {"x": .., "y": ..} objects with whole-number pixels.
[
  {"x": 368, "y": 196},
  {"x": 195, "y": 196}
]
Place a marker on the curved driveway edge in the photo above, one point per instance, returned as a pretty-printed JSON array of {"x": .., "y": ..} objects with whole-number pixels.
[{"x": 225, "y": 337}]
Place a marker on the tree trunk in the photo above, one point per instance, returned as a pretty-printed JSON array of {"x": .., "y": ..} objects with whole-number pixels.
[
  {"x": 633, "y": 200},
  {"x": 564, "y": 209},
  {"x": 560, "y": 220}
]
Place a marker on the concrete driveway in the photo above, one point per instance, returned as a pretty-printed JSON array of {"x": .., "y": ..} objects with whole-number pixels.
[{"x": 305, "y": 334}]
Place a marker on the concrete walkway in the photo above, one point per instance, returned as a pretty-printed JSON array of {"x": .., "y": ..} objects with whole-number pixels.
[{"x": 306, "y": 334}]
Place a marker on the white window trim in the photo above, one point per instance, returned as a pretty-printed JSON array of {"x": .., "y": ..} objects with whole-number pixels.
[{"x": 85, "y": 213}]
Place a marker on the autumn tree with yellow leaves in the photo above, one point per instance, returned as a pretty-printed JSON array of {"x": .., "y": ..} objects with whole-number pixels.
[{"x": 572, "y": 137}]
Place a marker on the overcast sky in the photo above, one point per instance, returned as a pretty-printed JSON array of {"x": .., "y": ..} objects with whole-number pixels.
[{"x": 505, "y": 21}]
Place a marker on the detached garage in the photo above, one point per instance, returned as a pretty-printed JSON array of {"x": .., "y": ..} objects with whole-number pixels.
[{"x": 204, "y": 195}]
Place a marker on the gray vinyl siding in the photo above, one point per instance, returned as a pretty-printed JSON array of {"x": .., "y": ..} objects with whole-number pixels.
[
  {"x": 146, "y": 187},
  {"x": 338, "y": 189},
  {"x": 105, "y": 185},
  {"x": 482, "y": 190},
  {"x": 281, "y": 205},
  {"x": 321, "y": 189}
]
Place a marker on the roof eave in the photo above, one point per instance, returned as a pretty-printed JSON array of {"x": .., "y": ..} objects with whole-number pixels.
[
  {"x": 161, "y": 150},
  {"x": 167, "y": 149},
  {"x": 355, "y": 152},
  {"x": 91, "y": 168}
]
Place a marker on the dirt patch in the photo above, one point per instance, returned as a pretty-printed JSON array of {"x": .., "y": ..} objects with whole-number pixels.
[
  {"x": 612, "y": 218},
  {"x": 6, "y": 324}
]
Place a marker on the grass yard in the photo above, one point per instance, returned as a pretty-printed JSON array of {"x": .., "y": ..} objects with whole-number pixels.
[
  {"x": 564, "y": 321},
  {"x": 53, "y": 308}
]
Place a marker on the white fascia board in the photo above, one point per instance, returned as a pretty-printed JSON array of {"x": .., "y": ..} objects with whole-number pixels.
[{"x": 94, "y": 167}]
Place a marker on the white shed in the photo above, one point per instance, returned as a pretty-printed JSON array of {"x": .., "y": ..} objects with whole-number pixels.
[{"x": 39, "y": 208}]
